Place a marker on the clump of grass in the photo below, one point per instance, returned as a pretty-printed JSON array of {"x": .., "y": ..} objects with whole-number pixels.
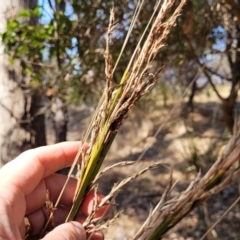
[
  {"x": 191, "y": 153},
  {"x": 111, "y": 112},
  {"x": 169, "y": 212},
  {"x": 116, "y": 102}
]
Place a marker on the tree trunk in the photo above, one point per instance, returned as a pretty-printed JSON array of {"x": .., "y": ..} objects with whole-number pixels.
[
  {"x": 21, "y": 120},
  {"x": 60, "y": 114},
  {"x": 190, "y": 104},
  {"x": 60, "y": 120},
  {"x": 229, "y": 103}
]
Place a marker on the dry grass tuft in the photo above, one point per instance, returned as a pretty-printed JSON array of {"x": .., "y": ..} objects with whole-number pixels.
[{"x": 170, "y": 211}]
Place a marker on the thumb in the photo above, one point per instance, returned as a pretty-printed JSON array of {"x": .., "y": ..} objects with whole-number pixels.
[{"x": 67, "y": 231}]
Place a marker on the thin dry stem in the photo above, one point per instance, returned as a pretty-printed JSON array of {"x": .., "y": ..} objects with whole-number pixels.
[
  {"x": 220, "y": 219},
  {"x": 114, "y": 191},
  {"x": 126, "y": 163},
  {"x": 102, "y": 226}
]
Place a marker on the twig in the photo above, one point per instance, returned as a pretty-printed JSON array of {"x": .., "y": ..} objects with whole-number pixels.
[
  {"x": 220, "y": 219},
  {"x": 206, "y": 73},
  {"x": 217, "y": 74}
]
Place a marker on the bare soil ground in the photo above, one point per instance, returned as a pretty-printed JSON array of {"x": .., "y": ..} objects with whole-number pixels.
[{"x": 185, "y": 143}]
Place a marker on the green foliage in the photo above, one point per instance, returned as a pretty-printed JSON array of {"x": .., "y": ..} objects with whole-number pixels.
[
  {"x": 67, "y": 53},
  {"x": 191, "y": 153},
  {"x": 27, "y": 42}
]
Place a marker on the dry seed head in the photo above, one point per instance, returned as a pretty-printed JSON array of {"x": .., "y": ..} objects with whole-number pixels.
[
  {"x": 111, "y": 167},
  {"x": 113, "y": 109}
]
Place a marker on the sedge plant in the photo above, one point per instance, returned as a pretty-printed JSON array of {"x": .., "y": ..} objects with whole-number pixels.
[
  {"x": 112, "y": 110},
  {"x": 117, "y": 101}
]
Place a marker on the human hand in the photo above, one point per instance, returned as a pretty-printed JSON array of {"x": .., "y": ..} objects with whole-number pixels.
[{"x": 23, "y": 187}]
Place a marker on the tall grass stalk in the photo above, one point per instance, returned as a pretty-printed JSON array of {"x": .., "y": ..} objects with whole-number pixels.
[{"x": 136, "y": 81}]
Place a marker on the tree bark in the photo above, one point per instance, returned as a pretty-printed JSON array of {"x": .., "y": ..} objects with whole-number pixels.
[
  {"x": 60, "y": 114},
  {"x": 229, "y": 103},
  {"x": 60, "y": 120},
  {"x": 21, "y": 117}
]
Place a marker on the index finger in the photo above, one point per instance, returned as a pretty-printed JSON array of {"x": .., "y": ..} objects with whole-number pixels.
[{"x": 29, "y": 168}]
